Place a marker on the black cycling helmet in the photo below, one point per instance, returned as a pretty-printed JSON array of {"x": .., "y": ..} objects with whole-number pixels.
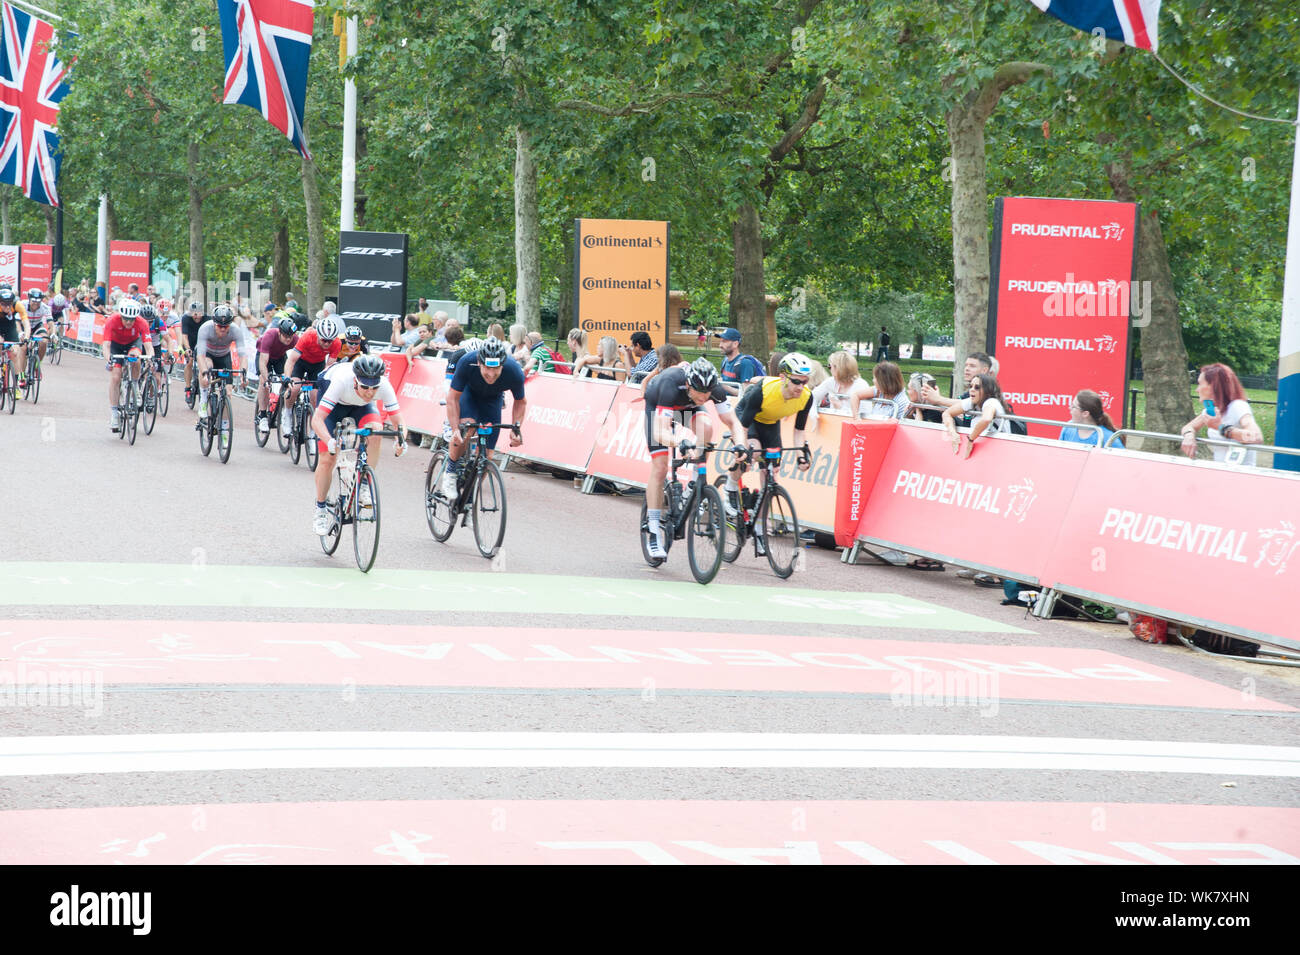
[
  {"x": 7, "y": 296},
  {"x": 148, "y": 312},
  {"x": 287, "y": 326},
  {"x": 701, "y": 376},
  {"x": 368, "y": 369},
  {"x": 223, "y": 315}
]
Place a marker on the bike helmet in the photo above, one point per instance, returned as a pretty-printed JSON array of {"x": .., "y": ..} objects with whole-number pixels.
[
  {"x": 701, "y": 376},
  {"x": 796, "y": 364},
  {"x": 287, "y": 326},
  {"x": 355, "y": 335},
  {"x": 368, "y": 369},
  {"x": 148, "y": 312},
  {"x": 36, "y": 295},
  {"x": 223, "y": 315},
  {"x": 327, "y": 329},
  {"x": 492, "y": 353},
  {"x": 7, "y": 296},
  {"x": 129, "y": 309}
]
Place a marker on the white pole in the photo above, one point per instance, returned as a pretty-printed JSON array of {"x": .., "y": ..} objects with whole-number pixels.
[
  {"x": 348, "y": 203},
  {"x": 101, "y": 261},
  {"x": 1288, "y": 364}
]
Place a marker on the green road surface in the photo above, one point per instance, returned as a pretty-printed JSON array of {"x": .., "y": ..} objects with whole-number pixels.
[{"x": 184, "y": 585}]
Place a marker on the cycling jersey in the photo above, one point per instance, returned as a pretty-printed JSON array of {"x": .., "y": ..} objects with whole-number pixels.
[
  {"x": 469, "y": 379},
  {"x": 765, "y": 403},
  {"x": 117, "y": 331},
  {"x": 350, "y": 352},
  {"x": 342, "y": 391},
  {"x": 312, "y": 351},
  {"x": 209, "y": 344},
  {"x": 273, "y": 347},
  {"x": 668, "y": 390}
]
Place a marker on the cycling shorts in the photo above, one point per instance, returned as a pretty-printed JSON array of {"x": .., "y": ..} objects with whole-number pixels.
[
  {"x": 484, "y": 412},
  {"x": 767, "y": 435},
  {"x": 365, "y": 416},
  {"x": 682, "y": 416}
]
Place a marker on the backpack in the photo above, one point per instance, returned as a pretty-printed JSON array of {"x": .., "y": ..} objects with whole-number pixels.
[{"x": 560, "y": 366}]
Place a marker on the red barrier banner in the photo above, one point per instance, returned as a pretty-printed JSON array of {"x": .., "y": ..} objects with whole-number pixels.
[
  {"x": 862, "y": 451},
  {"x": 422, "y": 390},
  {"x": 1198, "y": 542},
  {"x": 563, "y": 418},
  {"x": 35, "y": 267},
  {"x": 395, "y": 365},
  {"x": 620, "y": 452},
  {"x": 1000, "y": 509},
  {"x": 129, "y": 262},
  {"x": 1060, "y": 303}
]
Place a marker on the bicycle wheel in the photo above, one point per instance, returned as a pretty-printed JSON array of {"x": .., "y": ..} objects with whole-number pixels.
[
  {"x": 489, "y": 509},
  {"x": 205, "y": 433},
  {"x": 312, "y": 449},
  {"x": 735, "y": 540},
  {"x": 33, "y": 391},
  {"x": 225, "y": 420},
  {"x": 164, "y": 396},
  {"x": 11, "y": 386},
  {"x": 6, "y": 391},
  {"x": 56, "y": 351},
  {"x": 282, "y": 440},
  {"x": 438, "y": 511},
  {"x": 780, "y": 531},
  {"x": 706, "y": 534},
  {"x": 257, "y": 431},
  {"x": 130, "y": 411},
  {"x": 329, "y": 543},
  {"x": 365, "y": 520},
  {"x": 295, "y": 434},
  {"x": 645, "y": 539},
  {"x": 149, "y": 403}
]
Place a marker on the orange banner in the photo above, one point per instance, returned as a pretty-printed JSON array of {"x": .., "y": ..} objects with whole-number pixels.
[{"x": 621, "y": 278}]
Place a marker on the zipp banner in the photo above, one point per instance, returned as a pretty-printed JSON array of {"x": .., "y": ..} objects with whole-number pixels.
[{"x": 372, "y": 281}]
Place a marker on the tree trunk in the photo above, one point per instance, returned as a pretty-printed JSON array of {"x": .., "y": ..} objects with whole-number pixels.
[
  {"x": 198, "y": 266},
  {"x": 280, "y": 263},
  {"x": 51, "y": 224},
  {"x": 315, "y": 238},
  {"x": 747, "y": 310},
  {"x": 918, "y": 346},
  {"x": 113, "y": 228},
  {"x": 970, "y": 231},
  {"x": 1169, "y": 404},
  {"x": 528, "y": 307},
  {"x": 565, "y": 321}
]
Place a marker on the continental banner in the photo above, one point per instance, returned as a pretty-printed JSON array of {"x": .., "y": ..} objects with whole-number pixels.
[
  {"x": 1060, "y": 299},
  {"x": 620, "y": 277}
]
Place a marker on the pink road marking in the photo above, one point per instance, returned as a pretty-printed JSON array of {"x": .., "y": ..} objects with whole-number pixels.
[
  {"x": 634, "y": 832},
  {"x": 911, "y": 672}
]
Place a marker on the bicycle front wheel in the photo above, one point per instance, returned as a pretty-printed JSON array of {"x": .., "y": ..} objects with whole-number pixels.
[
  {"x": 780, "y": 531},
  {"x": 130, "y": 412},
  {"x": 33, "y": 392},
  {"x": 295, "y": 435},
  {"x": 7, "y": 385},
  {"x": 56, "y": 352},
  {"x": 149, "y": 401},
  {"x": 164, "y": 396},
  {"x": 735, "y": 525},
  {"x": 257, "y": 430},
  {"x": 706, "y": 534},
  {"x": 282, "y": 440},
  {"x": 438, "y": 511},
  {"x": 489, "y": 509},
  {"x": 225, "y": 425},
  {"x": 312, "y": 449},
  {"x": 365, "y": 519}
]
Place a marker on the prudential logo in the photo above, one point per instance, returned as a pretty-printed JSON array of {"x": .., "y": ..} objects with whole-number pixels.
[{"x": 75, "y": 907}]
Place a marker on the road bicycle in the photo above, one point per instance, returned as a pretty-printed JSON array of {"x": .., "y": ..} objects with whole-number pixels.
[
  {"x": 767, "y": 516},
  {"x": 54, "y": 353},
  {"x": 128, "y": 397},
  {"x": 32, "y": 392},
  {"x": 480, "y": 492},
  {"x": 8, "y": 378},
  {"x": 355, "y": 498},
  {"x": 276, "y": 388},
  {"x": 155, "y": 398},
  {"x": 300, "y": 435},
  {"x": 693, "y": 512},
  {"x": 219, "y": 426}
]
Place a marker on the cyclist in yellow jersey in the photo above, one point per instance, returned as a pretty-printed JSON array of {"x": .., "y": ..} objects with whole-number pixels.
[{"x": 761, "y": 410}]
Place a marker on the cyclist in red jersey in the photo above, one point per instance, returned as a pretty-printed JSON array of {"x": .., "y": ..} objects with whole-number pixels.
[
  {"x": 125, "y": 333},
  {"x": 317, "y": 348}
]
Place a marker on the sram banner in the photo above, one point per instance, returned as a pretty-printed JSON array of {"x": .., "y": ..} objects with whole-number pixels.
[
  {"x": 9, "y": 265},
  {"x": 563, "y": 416},
  {"x": 620, "y": 270},
  {"x": 35, "y": 267},
  {"x": 1198, "y": 542},
  {"x": 1060, "y": 299},
  {"x": 129, "y": 262},
  {"x": 372, "y": 280},
  {"x": 1001, "y": 508}
]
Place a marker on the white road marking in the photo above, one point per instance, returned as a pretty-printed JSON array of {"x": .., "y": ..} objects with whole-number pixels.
[{"x": 63, "y": 755}]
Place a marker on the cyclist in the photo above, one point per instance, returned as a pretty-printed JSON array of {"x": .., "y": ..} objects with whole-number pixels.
[
  {"x": 190, "y": 324},
  {"x": 39, "y": 320},
  {"x": 670, "y": 398},
  {"x": 765, "y": 403},
  {"x": 272, "y": 348},
  {"x": 15, "y": 328},
  {"x": 354, "y": 343},
  {"x": 352, "y": 393},
  {"x": 213, "y": 347},
  {"x": 474, "y": 396},
  {"x": 125, "y": 333},
  {"x": 157, "y": 329},
  {"x": 315, "y": 348}
]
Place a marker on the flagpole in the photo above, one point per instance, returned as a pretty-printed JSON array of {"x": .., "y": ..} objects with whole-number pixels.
[
  {"x": 1287, "y": 434},
  {"x": 101, "y": 245},
  {"x": 348, "y": 202},
  {"x": 32, "y": 6}
]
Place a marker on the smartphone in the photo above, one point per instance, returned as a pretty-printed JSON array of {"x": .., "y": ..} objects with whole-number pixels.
[{"x": 1209, "y": 406}]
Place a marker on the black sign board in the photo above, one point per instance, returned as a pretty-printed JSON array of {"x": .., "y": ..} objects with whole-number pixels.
[{"x": 372, "y": 281}]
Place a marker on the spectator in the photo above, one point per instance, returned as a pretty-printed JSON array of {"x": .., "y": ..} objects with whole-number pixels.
[
  {"x": 986, "y": 395},
  {"x": 818, "y": 373},
  {"x": 456, "y": 348},
  {"x": 422, "y": 312},
  {"x": 578, "y": 350},
  {"x": 496, "y": 331},
  {"x": 977, "y": 363},
  {"x": 882, "y": 346},
  {"x": 669, "y": 356},
  {"x": 1227, "y": 414},
  {"x": 640, "y": 357},
  {"x": 606, "y": 357},
  {"x": 888, "y": 387},
  {"x": 405, "y": 337},
  {"x": 329, "y": 308},
  {"x": 916, "y": 385},
  {"x": 1089, "y": 423},
  {"x": 440, "y": 320},
  {"x": 519, "y": 344},
  {"x": 737, "y": 368},
  {"x": 539, "y": 356},
  {"x": 423, "y": 343},
  {"x": 843, "y": 382},
  {"x": 702, "y": 336}
]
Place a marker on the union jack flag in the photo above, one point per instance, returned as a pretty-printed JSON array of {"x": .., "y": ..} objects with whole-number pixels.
[
  {"x": 268, "y": 45},
  {"x": 1135, "y": 22},
  {"x": 32, "y": 82}
]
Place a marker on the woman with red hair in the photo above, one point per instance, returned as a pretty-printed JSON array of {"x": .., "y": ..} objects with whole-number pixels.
[{"x": 1227, "y": 414}]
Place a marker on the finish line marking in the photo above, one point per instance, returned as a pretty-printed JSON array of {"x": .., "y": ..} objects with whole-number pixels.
[{"x": 189, "y": 752}]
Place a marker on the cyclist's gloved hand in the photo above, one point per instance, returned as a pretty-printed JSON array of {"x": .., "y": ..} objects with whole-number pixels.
[{"x": 516, "y": 438}]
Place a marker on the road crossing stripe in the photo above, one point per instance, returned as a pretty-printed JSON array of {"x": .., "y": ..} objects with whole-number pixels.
[{"x": 187, "y": 752}]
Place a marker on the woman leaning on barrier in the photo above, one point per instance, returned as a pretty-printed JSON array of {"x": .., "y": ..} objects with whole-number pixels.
[
  {"x": 1226, "y": 413},
  {"x": 985, "y": 399},
  {"x": 606, "y": 357}
]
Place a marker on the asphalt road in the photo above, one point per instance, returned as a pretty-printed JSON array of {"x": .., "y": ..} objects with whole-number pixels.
[{"x": 587, "y": 700}]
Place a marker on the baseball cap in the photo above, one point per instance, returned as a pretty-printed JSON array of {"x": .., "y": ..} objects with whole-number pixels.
[
  {"x": 729, "y": 334},
  {"x": 269, "y": 307}
]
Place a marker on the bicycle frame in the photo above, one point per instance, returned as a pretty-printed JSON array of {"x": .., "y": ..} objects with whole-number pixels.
[{"x": 680, "y": 507}]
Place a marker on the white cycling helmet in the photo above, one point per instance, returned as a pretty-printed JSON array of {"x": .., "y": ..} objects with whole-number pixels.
[
  {"x": 328, "y": 328},
  {"x": 130, "y": 308}
]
